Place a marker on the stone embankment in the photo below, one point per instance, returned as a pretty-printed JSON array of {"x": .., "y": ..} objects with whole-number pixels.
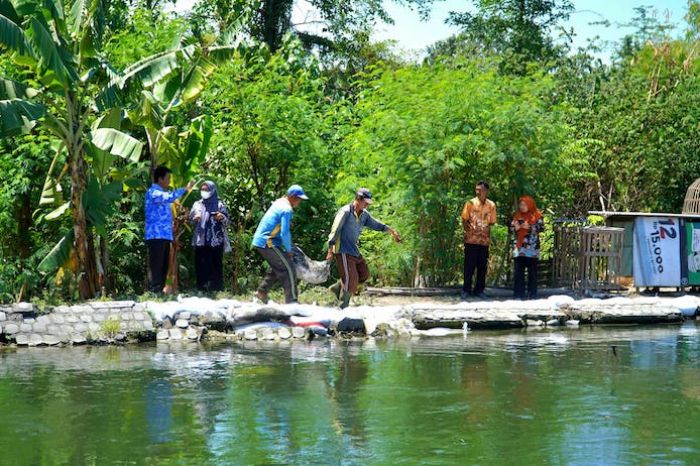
[{"x": 192, "y": 319}]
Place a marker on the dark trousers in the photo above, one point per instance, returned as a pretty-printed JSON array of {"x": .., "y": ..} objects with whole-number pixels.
[
  {"x": 158, "y": 258},
  {"x": 476, "y": 258},
  {"x": 282, "y": 270},
  {"x": 209, "y": 267},
  {"x": 521, "y": 265}
]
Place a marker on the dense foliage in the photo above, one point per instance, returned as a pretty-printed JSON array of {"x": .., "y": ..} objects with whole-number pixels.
[{"x": 504, "y": 100}]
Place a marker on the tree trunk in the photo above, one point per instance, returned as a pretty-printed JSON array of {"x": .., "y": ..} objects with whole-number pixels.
[
  {"x": 179, "y": 218},
  {"x": 85, "y": 261}
]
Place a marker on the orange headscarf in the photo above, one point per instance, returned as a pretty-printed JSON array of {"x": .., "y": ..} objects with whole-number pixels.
[{"x": 531, "y": 217}]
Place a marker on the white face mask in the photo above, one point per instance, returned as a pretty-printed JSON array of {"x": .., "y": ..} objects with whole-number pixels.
[{"x": 205, "y": 194}]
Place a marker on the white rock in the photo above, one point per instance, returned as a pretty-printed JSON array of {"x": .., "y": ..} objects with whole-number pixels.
[
  {"x": 22, "y": 339},
  {"x": 126, "y": 315},
  {"x": 78, "y": 338},
  {"x": 11, "y": 329},
  {"x": 85, "y": 317},
  {"x": 139, "y": 316},
  {"x": 175, "y": 334},
  {"x": 572, "y": 323},
  {"x": 39, "y": 327},
  {"x": 93, "y": 327},
  {"x": 43, "y": 320},
  {"x": 298, "y": 332},
  {"x": 553, "y": 323},
  {"x": 72, "y": 318},
  {"x": 3, "y": 316},
  {"x": 267, "y": 334},
  {"x": 35, "y": 339},
  {"x": 534, "y": 323},
  {"x": 192, "y": 334},
  {"x": 284, "y": 333},
  {"x": 184, "y": 315},
  {"x": 51, "y": 340},
  {"x": 98, "y": 317},
  {"x": 79, "y": 327},
  {"x": 58, "y": 318},
  {"x": 182, "y": 323},
  {"x": 163, "y": 335},
  {"x": 23, "y": 308},
  {"x": 25, "y": 328},
  {"x": 250, "y": 334},
  {"x": 148, "y": 325}
]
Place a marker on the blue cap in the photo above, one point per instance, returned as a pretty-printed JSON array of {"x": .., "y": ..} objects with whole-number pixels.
[{"x": 297, "y": 191}]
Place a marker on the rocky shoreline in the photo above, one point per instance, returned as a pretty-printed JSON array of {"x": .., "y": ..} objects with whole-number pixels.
[{"x": 195, "y": 319}]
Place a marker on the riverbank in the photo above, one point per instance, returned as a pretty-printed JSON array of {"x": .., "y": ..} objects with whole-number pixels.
[{"x": 194, "y": 319}]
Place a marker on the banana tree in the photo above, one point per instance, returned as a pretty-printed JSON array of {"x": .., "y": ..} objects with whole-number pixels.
[{"x": 68, "y": 85}]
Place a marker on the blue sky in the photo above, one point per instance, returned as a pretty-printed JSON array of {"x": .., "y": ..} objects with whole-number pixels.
[{"x": 412, "y": 34}]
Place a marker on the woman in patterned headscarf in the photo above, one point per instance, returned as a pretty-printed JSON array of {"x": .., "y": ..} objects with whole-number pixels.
[
  {"x": 209, "y": 219},
  {"x": 526, "y": 227}
]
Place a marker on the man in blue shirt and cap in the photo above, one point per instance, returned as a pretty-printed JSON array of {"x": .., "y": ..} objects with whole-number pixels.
[
  {"x": 273, "y": 240},
  {"x": 342, "y": 244}
]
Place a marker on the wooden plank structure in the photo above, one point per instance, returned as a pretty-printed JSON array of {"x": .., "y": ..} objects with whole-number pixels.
[
  {"x": 587, "y": 258},
  {"x": 601, "y": 257}
]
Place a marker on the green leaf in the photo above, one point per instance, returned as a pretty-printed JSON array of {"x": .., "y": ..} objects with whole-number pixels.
[
  {"x": 51, "y": 193},
  {"x": 99, "y": 201},
  {"x": 144, "y": 73},
  {"x": 17, "y": 116},
  {"x": 13, "y": 90},
  {"x": 50, "y": 57},
  {"x": 13, "y": 37},
  {"x": 222, "y": 53},
  {"x": 58, "y": 212},
  {"x": 117, "y": 143},
  {"x": 8, "y": 11},
  {"x": 59, "y": 254},
  {"x": 76, "y": 17},
  {"x": 197, "y": 140},
  {"x": 111, "y": 119}
]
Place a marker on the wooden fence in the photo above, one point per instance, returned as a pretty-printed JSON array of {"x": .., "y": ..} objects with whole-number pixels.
[{"x": 587, "y": 258}]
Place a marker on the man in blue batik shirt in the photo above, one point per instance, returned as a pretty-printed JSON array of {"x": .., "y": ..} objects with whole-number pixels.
[{"x": 159, "y": 226}]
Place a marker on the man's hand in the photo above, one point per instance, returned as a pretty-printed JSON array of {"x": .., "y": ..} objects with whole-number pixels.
[
  {"x": 191, "y": 185},
  {"x": 219, "y": 217},
  {"x": 395, "y": 234},
  {"x": 197, "y": 218},
  {"x": 329, "y": 256}
]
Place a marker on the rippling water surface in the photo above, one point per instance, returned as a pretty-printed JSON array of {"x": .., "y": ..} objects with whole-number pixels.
[{"x": 587, "y": 396}]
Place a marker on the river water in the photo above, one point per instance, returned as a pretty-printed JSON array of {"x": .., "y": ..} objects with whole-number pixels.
[{"x": 586, "y": 396}]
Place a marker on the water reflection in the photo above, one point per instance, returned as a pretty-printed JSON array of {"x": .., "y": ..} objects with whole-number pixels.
[{"x": 586, "y": 396}]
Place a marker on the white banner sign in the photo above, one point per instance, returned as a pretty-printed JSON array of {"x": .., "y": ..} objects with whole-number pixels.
[{"x": 657, "y": 251}]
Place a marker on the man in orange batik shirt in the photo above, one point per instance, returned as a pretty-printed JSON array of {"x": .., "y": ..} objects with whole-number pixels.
[{"x": 478, "y": 215}]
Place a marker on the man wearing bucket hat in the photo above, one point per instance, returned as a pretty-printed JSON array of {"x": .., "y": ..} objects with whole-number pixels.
[
  {"x": 342, "y": 244},
  {"x": 273, "y": 240}
]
